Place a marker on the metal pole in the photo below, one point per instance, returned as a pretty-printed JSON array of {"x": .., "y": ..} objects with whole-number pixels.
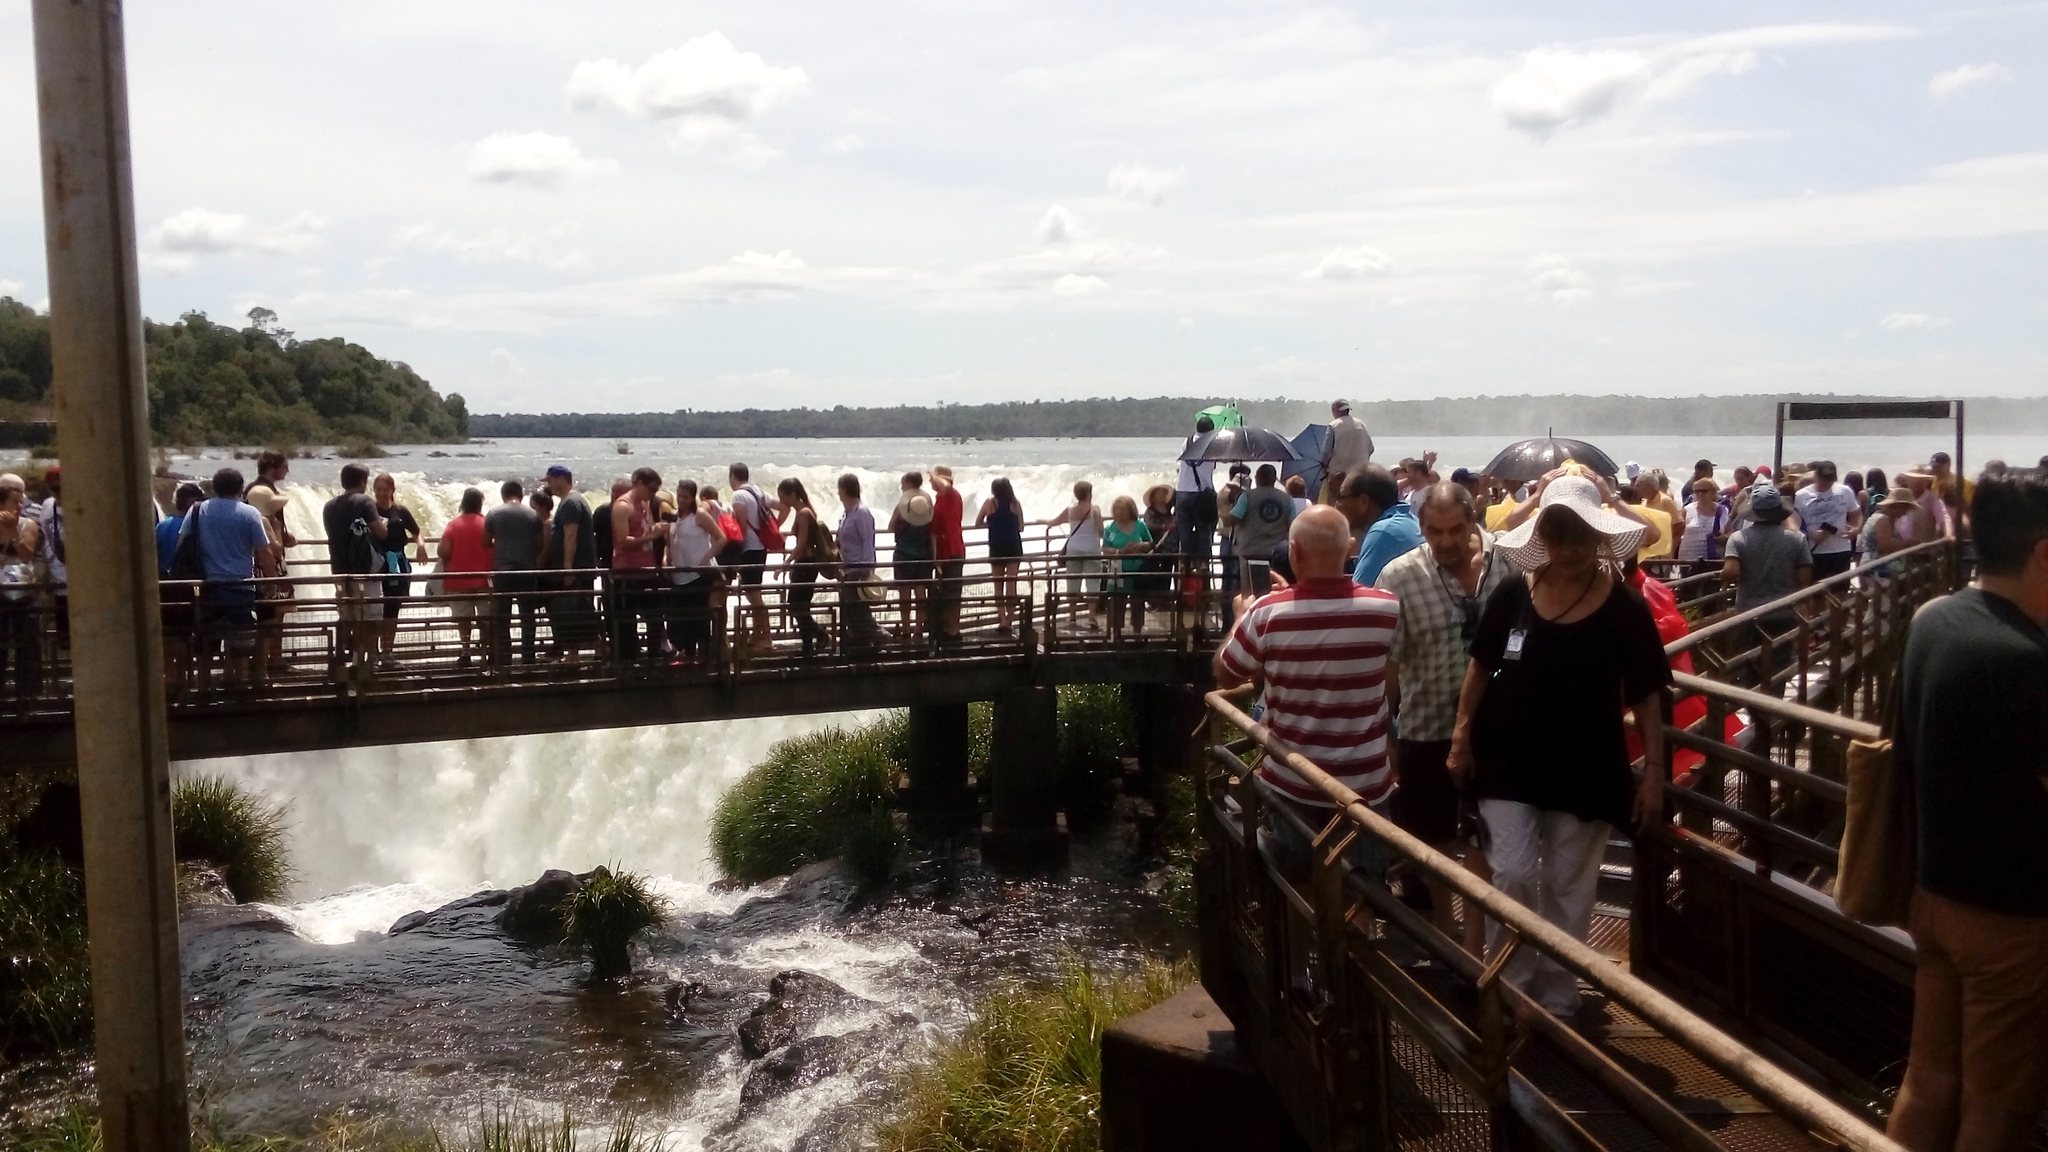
[
  {"x": 1778, "y": 447},
  {"x": 117, "y": 655}
]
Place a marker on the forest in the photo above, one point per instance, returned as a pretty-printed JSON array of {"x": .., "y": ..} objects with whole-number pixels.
[{"x": 212, "y": 384}]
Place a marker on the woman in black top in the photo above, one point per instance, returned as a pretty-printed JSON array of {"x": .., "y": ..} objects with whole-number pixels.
[
  {"x": 401, "y": 531},
  {"x": 1539, "y": 737},
  {"x": 1003, "y": 516}
]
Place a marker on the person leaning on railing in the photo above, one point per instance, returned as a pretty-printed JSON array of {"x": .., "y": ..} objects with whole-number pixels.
[
  {"x": 229, "y": 541},
  {"x": 21, "y": 643},
  {"x": 1539, "y": 737},
  {"x": 858, "y": 588},
  {"x": 465, "y": 570},
  {"x": 1318, "y": 650},
  {"x": 1972, "y": 734}
]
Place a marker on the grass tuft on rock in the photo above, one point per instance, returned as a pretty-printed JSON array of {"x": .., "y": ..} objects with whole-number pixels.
[
  {"x": 45, "y": 984},
  {"x": 817, "y": 796},
  {"x": 241, "y": 834},
  {"x": 1027, "y": 1074},
  {"x": 605, "y": 913}
]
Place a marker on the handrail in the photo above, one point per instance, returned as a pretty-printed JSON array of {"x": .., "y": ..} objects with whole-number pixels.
[
  {"x": 1773, "y": 1085},
  {"x": 1813, "y": 591},
  {"x": 1830, "y": 722}
]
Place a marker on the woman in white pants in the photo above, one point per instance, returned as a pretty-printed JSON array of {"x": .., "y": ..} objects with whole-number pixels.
[{"x": 1539, "y": 738}]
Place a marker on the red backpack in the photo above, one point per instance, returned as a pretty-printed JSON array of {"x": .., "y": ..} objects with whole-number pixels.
[{"x": 768, "y": 530}]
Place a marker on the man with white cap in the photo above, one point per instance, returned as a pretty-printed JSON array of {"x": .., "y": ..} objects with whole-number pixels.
[
  {"x": 1539, "y": 738},
  {"x": 1346, "y": 449}
]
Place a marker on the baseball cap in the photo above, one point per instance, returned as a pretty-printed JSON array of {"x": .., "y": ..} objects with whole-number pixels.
[
  {"x": 561, "y": 470},
  {"x": 1937, "y": 458},
  {"x": 1763, "y": 469},
  {"x": 1463, "y": 476},
  {"x": 55, "y": 473},
  {"x": 1340, "y": 407}
]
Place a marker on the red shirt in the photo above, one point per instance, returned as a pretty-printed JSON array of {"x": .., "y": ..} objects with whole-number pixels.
[
  {"x": 1321, "y": 647},
  {"x": 949, "y": 540},
  {"x": 467, "y": 552}
]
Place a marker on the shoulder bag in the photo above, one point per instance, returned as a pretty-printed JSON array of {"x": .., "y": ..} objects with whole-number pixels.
[
  {"x": 1879, "y": 857},
  {"x": 765, "y": 525},
  {"x": 186, "y": 561}
]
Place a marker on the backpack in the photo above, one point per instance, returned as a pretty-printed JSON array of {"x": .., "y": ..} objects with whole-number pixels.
[
  {"x": 1202, "y": 510},
  {"x": 186, "y": 561},
  {"x": 767, "y": 529}
]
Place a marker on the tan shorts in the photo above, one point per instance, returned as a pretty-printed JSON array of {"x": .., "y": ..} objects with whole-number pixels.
[
  {"x": 467, "y": 605},
  {"x": 351, "y": 596}
]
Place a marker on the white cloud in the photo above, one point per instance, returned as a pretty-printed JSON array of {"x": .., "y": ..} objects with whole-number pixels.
[
  {"x": 1184, "y": 324},
  {"x": 708, "y": 88},
  {"x": 1558, "y": 280},
  {"x": 1562, "y": 85},
  {"x": 1351, "y": 263},
  {"x": 783, "y": 261},
  {"x": 1057, "y": 226},
  {"x": 178, "y": 243},
  {"x": 553, "y": 248},
  {"x": 1144, "y": 183},
  {"x": 535, "y": 159},
  {"x": 1947, "y": 84},
  {"x": 10, "y": 287},
  {"x": 1071, "y": 286},
  {"x": 1913, "y": 322},
  {"x": 846, "y": 144},
  {"x": 505, "y": 362}
]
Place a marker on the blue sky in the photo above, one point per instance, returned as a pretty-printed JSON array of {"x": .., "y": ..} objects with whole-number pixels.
[{"x": 613, "y": 206}]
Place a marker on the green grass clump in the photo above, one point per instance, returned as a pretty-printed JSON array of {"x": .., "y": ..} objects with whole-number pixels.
[
  {"x": 605, "y": 913},
  {"x": 1027, "y": 1075},
  {"x": 45, "y": 984},
  {"x": 231, "y": 827},
  {"x": 815, "y": 797},
  {"x": 497, "y": 1129},
  {"x": 1095, "y": 736}
]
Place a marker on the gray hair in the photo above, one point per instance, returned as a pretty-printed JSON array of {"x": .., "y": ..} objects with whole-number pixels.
[{"x": 1453, "y": 493}]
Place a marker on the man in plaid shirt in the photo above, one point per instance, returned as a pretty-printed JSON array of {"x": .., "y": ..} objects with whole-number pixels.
[{"x": 1443, "y": 589}]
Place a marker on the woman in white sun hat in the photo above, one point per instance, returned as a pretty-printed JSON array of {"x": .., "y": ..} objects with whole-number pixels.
[{"x": 1539, "y": 738}]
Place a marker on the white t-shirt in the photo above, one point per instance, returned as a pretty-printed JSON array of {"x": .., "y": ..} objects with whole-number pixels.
[{"x": 1833, "y": 507}]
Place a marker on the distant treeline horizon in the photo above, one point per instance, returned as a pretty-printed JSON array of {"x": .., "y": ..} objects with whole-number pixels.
[{"x": 1175, "y": 416}]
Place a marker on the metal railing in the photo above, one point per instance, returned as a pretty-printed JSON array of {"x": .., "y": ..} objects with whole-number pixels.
[{"x": 1379, "y": 1031}]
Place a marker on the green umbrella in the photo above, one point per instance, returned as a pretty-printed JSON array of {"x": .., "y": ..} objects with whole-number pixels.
[{"x": 1222, "y": 415}]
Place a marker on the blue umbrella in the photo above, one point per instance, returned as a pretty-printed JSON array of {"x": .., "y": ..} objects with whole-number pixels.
[{"x": 1310, "y": 466}]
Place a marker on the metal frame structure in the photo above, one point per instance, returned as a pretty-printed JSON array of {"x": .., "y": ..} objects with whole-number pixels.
[{"x": 1798, "y": 410}]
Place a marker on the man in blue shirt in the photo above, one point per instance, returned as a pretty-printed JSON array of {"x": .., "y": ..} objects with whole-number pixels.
[
  {"x": 1393, "y": 532},
  {"x": 231, "y": 538},
  {"x": 170, "y": 528}
]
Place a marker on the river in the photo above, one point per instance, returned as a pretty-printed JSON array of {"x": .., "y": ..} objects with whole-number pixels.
[{"x": 334, "y": 1017}]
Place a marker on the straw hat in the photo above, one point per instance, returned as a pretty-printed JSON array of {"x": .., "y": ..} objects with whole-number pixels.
[
  {"x": 916, "y": 509},
  {"x": 1576, "y": 496},
  {"x": 1898, "y": 498}
]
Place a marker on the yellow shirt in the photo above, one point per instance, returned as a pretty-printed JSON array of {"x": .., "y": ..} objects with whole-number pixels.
[
  {"x": 1498, "y": 514},
  {"x": 1665, "y": 544}
]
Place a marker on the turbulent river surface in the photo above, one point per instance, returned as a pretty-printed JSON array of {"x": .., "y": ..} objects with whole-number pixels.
[{"x": 308, "y": 1010}]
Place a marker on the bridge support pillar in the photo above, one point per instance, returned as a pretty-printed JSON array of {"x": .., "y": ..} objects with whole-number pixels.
[
  {"x": 939, "y": 799},
  {"x": 1024, "y": 829}
]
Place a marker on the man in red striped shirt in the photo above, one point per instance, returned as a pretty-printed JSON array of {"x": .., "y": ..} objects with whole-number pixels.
[{"x": 1318, "y": 649}]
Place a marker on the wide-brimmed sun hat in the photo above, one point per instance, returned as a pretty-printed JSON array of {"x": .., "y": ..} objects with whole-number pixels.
[
  {"x": 1575, "y": 496},
  {"x": 1898, "y": 498},
  {"x": 916, "y": 509}
]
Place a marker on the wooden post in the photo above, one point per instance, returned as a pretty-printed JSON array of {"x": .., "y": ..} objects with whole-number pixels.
[{"x": 102, "y": 402}]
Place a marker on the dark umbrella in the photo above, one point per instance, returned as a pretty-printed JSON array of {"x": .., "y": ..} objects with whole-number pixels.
[
  {"x": 1240, "y": 444},
  {"x": 1527, "y": 460},
  {"x": 1309, "y": 466}
]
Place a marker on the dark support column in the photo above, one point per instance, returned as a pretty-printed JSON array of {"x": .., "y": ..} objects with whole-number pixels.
[
  {"x": 939, "y": 798},
  {"x": 117, "y": 655},
  {"x": 1024, "y": 829}
]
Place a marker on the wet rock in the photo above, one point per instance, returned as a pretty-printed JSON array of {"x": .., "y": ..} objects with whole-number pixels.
[
  {"x": 533, "y": 913},
  {"x": 489, "y": 898},
  {"x": 800, "y": 1065},
  {"x": 796, "y": 1000},
  {"x": 199, "y": 882}
]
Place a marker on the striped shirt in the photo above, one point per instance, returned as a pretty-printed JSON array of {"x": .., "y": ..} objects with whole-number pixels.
[{"x": 1321, "y": 649}]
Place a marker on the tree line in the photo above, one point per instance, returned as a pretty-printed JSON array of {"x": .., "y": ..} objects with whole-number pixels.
[
  {"x": 212, "y": 384},
  {"x": 1509, "y": 416}
]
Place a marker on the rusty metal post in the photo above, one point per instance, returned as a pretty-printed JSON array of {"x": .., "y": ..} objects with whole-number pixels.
[{"x": 117, "y": 661}]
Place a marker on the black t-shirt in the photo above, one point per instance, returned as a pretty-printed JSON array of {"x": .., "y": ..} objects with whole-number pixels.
[
  {"x": 400, "y": 529},
  {"x": 351, "y": 547},
  {"x": 600, "y": 540},
  {"x": 1973, "y": 729},
  {"x": 1548, "y": 731},
  {"x": 574, "y": 509}
]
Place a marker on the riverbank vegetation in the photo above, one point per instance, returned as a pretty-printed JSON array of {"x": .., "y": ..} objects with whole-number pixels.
[
  {"x": 496, "y": 1129},
  {"x": 1027, "y": 1074},
  {"x": 212, "y": 384},
  {"x": 831, "y": 794},
  {"x": 45, "y": 981}
]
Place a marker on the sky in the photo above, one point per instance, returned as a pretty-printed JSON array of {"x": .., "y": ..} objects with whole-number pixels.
[{"x": 626, "y": 207}]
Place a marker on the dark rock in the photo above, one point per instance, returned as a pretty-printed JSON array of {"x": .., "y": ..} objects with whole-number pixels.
[
  {"x": 533, "y": 913},
  {"x": 489, "y": 898},
  {"x": 796, "y": 1000},
  {"x": 54, "y": 824},
  {"x": 800, "y": 1065}
]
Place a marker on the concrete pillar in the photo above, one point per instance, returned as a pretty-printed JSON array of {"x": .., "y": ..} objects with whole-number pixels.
[
  {"x": 939, "y": 798},
  {"x": 102, "y": 405},
  {"x": 1175, "y": 1080},
  {"x": 1024, "y": 829}
]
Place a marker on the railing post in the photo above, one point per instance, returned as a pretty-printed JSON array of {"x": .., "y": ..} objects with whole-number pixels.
[{"x": 96, "y": 348}]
